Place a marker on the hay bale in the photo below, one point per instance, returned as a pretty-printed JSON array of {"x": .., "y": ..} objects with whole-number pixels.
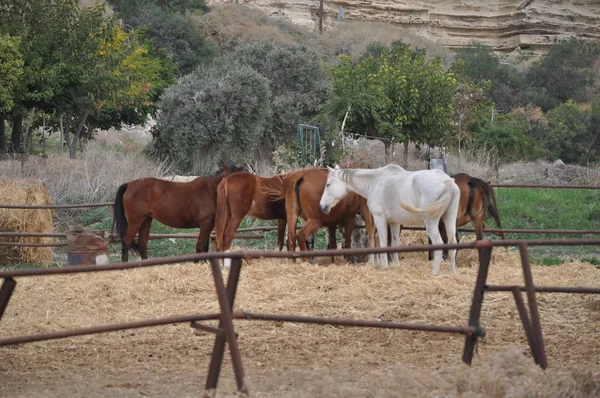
[{"x": 28, "y": 193}]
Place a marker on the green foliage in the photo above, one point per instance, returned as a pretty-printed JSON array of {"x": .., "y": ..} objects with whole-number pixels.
[
  {"x": 504, "y": 136},
  {"x": 250, "y": 100},
  {"x": 222, "y": 109},
  {"x": 166, "y": 24},
  {"x": 11, "y": 67},
  {"x": 565, "y": 72},
  {"x": 81, "y": 66},
  {"x": 298, "y": 85},
  {"x": 478, "y": 63},
  {"x": 398, "y": 95},
  {"x": 572, "y": 137}
]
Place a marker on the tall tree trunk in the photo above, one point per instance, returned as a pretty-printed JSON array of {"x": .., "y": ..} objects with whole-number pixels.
[
  {"x": 77, "y": 135},
  {"x": 2, "y": 133},
  {"x": 66, "y": 133},
  {"x": 388, "y": 152},
  {"x": 17, "y": 133},
  {"x": 405, "y": 156}
]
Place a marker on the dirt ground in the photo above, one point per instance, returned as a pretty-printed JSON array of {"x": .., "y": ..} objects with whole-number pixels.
[{"x": 298, "y": 360}]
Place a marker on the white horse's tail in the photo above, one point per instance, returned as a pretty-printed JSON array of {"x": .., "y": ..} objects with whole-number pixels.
[{"x": 438, "y": 208}]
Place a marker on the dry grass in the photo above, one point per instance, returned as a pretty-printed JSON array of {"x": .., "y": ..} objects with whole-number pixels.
[
  {"x": 29, "y": 193},
  {"x": 106, "y": 163},
  {"x": 296, "y": 360}
]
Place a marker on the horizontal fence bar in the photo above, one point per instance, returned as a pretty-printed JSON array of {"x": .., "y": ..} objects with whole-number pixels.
[
  {"x": 545, "y": 186},
  {"x": 355, "y": 322},
  {"x": 55, "y": 206},
  {"x": 544, "y": 289},
  {"x": 522, "y": 231},
  {"x": 24, "y": 244},
  {"x": 497, "y": 185},
  {"x": 106, "y": 328},
  {"x": 253, "y": 254}
]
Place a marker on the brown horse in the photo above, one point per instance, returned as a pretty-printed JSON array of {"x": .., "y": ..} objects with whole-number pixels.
[
  {"x": 302, "y": 192},
  {"x": 477, "y": 202},
  {"x": 175, "y": 204},
  {"x": 242, "y": 194}
]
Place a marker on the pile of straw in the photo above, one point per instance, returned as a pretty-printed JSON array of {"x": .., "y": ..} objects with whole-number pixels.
[{"x": 29, "y": 193}]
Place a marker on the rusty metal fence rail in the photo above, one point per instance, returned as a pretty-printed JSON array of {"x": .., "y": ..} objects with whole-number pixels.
[{"x": 225, "y": 332}]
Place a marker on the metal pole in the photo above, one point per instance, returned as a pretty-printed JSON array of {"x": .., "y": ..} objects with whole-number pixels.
[
  {"x": 485, "y": 254},
  {"x": 226, "y": 298},
  {"x": 524, "y": 317},
  {"x": 6, "y": 291},
  {"x": 536, "y": 327}
]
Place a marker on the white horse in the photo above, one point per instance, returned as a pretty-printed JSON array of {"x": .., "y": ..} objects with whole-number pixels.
[{"x": 398, "y": 197}]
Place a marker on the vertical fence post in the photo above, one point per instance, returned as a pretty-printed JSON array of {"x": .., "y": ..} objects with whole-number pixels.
[
  {"x": 8, "y": 286},
  {"x": 524, "y": 319},
  {"x": 485, "y": 254},
  {"x": 539, "y": 355},
  {"x": 226, "y": 298}
]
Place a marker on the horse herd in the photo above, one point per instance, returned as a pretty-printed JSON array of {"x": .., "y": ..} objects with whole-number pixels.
[{"x": 386, "y": 198}]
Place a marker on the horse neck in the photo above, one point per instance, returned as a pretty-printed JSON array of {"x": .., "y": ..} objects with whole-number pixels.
[{"x": 360, "y": 181}]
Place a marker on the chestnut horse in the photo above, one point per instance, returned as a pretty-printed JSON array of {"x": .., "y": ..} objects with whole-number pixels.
[
  {"x": 242, "y": 194},
  {"x": 302, "y": 191},
  {"x": 477, "y": 202},
  {"x": 175, "y": 204}
]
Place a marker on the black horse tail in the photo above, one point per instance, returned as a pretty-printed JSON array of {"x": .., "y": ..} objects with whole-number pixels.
[
  {"x": 490, "y": 201},
  {"x": 119, "y": 219}
]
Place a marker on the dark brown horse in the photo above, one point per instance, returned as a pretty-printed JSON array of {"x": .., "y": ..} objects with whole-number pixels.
[
  {"x": 302, "y": 191},
  {"x": 242, "y": 194},
  {"x": 175, "y": 204},
  {"x": 477, "y": 202}
]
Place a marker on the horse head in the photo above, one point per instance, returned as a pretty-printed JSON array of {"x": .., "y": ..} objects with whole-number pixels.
[
  {"x": 335, "y": 190},
  {"x": 226, "y": 169}
]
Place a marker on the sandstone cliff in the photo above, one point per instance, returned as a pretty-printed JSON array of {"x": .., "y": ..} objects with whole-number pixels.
[{"x": 503, "y": 24}]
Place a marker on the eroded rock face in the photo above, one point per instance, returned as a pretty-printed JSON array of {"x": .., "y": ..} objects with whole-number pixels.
[{"x": 503, "y": 24}]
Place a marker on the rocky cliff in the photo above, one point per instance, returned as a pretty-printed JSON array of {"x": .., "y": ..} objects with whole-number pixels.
[{"x": 503, "y": 24}]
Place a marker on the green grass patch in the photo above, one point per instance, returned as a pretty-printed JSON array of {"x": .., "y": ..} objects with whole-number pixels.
[{"x": 566, "y": 209}]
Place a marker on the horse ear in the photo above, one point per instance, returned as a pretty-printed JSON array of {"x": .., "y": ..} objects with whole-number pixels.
[
  {"x": 337, "y": 166},
  {"x": 329, "y": 168}
]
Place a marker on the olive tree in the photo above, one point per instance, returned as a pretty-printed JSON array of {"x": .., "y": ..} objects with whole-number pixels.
[{"x": 213, "y": 111}]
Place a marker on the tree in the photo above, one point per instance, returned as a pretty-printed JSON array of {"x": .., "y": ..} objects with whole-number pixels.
[
  {"x": 81, "y": 66},
  {"x": 298, "y": 85},
  {"x": 170, "y": 28},
  {"x": 11, "y": 66},
  {"x": 216, "y": 110},
  {"x": 480, "y": 64},
  {"x": 566, "y": 72},
  {"x": 571, "y": 136},
  {"x": 468, "y": 98},
  {"x": 400, "y": 95}
]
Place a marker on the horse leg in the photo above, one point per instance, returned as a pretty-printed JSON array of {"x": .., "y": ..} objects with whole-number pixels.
[
  {"x": 395, "y": 242},
  {"x": 143, "y": 237},
  {"x": 349, "y": 228},
  {"x": 382, "y": 230},
  {"x": 281, "y": 223},
  {"x": 203, "y": 242},
  {"x": 128, "y": 242},
  {"x": 432, "y": 228},
  {"x": 310, "y": 227},
  {"x": 332, "y": 244},
  {"x": 451, "y": 231}
]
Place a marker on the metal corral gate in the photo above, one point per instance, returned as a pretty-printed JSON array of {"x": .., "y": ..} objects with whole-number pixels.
[{"x": 225, "y": 332}]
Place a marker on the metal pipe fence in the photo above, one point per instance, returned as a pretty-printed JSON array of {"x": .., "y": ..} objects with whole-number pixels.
[{"x": 225, "y": 332}]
